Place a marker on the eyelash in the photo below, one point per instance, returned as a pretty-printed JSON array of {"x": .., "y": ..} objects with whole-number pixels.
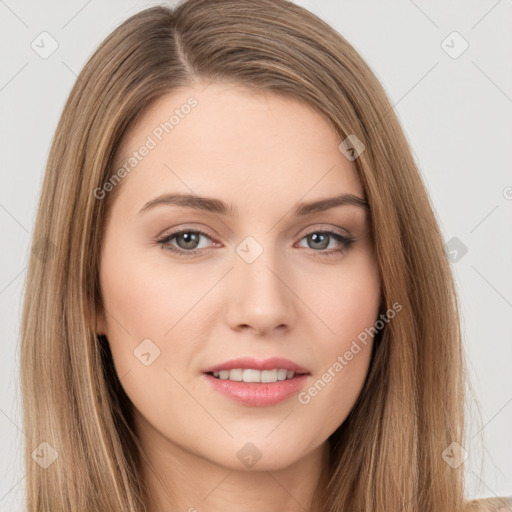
[{"x": 345, "y": 241}]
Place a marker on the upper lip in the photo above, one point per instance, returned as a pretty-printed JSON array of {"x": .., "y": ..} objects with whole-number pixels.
[{"x": 257, "y": 364}]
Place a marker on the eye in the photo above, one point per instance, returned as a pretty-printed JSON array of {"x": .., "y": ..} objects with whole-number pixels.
[
  {"x": 320, "y": 240},
  {"x": 187, "y": 240}
]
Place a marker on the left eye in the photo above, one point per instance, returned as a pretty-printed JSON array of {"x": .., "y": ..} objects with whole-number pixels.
[
  {"x": 322, "y": 239},
  {"x": 188, "y": 242}
]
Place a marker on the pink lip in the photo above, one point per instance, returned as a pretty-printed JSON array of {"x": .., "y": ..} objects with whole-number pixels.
[
  {"x": 256, "y": 364},
  {"x": 256, "y": 393}
]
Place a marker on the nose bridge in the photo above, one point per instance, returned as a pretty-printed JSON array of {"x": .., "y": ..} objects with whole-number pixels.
[
  {"x": 257, "y": 265},
  {"x": 260, "y": 297}
]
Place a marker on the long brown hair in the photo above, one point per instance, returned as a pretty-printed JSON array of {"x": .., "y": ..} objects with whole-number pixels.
[{"x": 387, "y": 455}]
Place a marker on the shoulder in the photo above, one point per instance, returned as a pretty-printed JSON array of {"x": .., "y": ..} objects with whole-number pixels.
[{"x": 489, "y": 505}]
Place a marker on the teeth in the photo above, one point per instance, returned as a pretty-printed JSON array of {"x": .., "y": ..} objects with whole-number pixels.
[
  {"x": 235, "y": 375},
  {"x": 281, "y": 374},
  {"x": 250, "y": 375},
  {"x": 269, "y": 376}
]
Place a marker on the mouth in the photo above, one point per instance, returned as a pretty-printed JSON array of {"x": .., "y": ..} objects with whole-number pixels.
[{"x": 253, "y": 382}]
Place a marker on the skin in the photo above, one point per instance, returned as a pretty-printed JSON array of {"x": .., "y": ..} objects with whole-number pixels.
[{"x": 263, "y": 153}]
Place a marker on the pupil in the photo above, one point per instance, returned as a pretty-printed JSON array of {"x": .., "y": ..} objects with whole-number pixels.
[
  {"x": 314, "y": 238},
  {"x": 192, "y": 239}
]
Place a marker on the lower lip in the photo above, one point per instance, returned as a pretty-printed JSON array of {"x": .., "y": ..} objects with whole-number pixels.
[{"x": 255, "y": 393}]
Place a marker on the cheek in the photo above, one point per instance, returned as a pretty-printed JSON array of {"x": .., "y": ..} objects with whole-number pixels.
[
  {"x": 149, "y": 332},
  {"x": 346, "y": 299},
  {"x": 146, "y": 297},
  {"x": 350, "y": 308},
  {"x": 151, "y": 299}
]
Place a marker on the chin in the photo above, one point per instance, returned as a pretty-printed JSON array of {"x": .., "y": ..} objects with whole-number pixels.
[{"x": 258, "y": 453}]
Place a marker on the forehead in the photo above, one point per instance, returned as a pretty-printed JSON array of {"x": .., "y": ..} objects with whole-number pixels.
[{"x": 222, "y": 140}]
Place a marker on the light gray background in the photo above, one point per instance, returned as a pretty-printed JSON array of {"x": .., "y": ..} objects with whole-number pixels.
[{"x": 457, "y": 115}]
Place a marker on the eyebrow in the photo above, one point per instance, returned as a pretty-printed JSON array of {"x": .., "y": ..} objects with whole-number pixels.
[{"x": 217, "y": 206}]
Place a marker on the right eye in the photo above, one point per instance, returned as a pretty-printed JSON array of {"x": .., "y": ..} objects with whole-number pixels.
[{"x": 189, "y": 240}]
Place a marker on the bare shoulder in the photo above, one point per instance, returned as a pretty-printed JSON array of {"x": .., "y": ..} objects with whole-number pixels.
[{"x": 490, "y": 505}]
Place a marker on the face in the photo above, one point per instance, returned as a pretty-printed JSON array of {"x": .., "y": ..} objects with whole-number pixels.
[{"x": 255, "y": 274}]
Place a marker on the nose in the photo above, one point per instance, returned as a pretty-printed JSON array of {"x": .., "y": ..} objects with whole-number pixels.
[{"x": 260, "y": 297}]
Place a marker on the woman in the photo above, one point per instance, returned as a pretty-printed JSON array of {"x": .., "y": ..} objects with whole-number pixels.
[{"x": 242, "y": 298}]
